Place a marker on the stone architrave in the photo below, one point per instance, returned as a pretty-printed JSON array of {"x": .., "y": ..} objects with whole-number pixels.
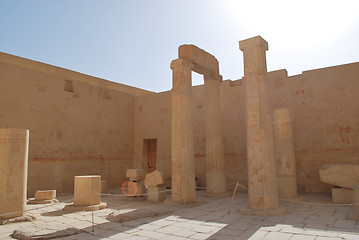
[
  {"x": 285, "y": 159},
  {"x": 203, "y": 62},
  {"x": 14, "y": 147},
  {"x": 262, "y": 177},
  {"x": 183, "y": 175},
  {"x": 215, "y": 173},
  {"x": 342, "y": 175}
]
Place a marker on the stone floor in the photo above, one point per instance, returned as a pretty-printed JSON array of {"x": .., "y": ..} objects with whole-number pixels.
[{"x": 209, "y": 220}]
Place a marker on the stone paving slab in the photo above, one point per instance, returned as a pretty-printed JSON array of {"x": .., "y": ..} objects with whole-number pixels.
[{"x": 209, "y": 220}]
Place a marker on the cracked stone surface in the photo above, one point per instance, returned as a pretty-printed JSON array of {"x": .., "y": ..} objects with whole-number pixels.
[{"x": 208, "y": 220}]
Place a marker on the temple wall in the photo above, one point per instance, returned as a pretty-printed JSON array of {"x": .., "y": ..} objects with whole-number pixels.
[
  {"x": 153, "y": 121},
  {"x": 324, "y": 110},
  {"x": 326, "y": 127},
  {"x": 85, "y": 125},
  {"x": 78, "y": 124}
]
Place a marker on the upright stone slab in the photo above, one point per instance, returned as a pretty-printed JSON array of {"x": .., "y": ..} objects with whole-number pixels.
[
  {"x": 285, "y": 159},
  {"x": 262, "y": 177},
  {"x": 87, "y": 194},
  {"x": 183, "y": 176},
  {"x": 14, "y": 147},
  {"x": 215, "y": 173},
  {"x": 87, "y": 190}
]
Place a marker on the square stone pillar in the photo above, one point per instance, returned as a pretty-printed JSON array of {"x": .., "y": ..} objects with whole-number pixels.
[
  {"x": 215, "y": 173},
  {"x": 87, "y": 194},
  {"x": 183, "y": 173},
  {"x": 262, "y": 177},
  {"x": 14, "y": 147},
  {"x": 87, "y": 190},
  {"x": 285, "y": 159}
]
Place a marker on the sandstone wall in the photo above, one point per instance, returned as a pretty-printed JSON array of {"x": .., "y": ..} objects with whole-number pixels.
[
  {"x": 78, "y": 124},
  {"x": 85, "y": 125},
  {"x": 325, "y": 117}
]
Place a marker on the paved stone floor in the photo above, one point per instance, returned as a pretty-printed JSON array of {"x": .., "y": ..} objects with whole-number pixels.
[{"x": 209, "y": 220}]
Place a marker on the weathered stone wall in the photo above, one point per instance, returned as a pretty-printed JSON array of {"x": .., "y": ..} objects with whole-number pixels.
[
  {"x": 79, "y": 125},
  {"x": 99, "y": 126},
  {"x": 325, "y": 123}
]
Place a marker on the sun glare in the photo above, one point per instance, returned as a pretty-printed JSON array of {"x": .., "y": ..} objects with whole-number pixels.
[{"x": 294, "y": 23}]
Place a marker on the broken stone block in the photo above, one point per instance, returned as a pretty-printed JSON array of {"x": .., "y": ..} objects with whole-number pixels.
[
  {"x": 45, "y": 195},
  {"x": 342, "y": 175},
  {"x": 156, "y": 194},
  {"x": 342, "y": 195},
  {"x": 135, "y": 174},
  {"x": 155, "y": 178}
]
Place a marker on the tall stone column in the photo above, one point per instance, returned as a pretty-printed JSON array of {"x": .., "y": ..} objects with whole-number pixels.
[
  {"x": 262, "y": 177},
  {"x": 216, "y": 179},
  {"x": 183, "y": 174},
  {"x": 14, "y": 147},
  {"x": 286, "y": 174}
]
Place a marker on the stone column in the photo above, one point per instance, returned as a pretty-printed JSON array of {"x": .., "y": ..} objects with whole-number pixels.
[
  {"x": 183, "y": 174},
  {"x": 356, "y": 201},
  {"x": 14, "y": 147},
  {"x": 286, "y": 174},
  {"x": 216, "y": 179},
  {"x": 262, "y": 177}
]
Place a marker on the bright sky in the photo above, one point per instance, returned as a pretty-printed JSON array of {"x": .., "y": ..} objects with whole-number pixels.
[{"x": 134, "y": 41}]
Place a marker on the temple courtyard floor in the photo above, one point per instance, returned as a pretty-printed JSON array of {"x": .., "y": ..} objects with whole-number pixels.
[{"x": 140, "y": 219}]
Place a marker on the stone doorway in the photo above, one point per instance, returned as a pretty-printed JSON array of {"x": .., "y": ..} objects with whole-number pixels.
[{"x": 150, "y": 150}]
